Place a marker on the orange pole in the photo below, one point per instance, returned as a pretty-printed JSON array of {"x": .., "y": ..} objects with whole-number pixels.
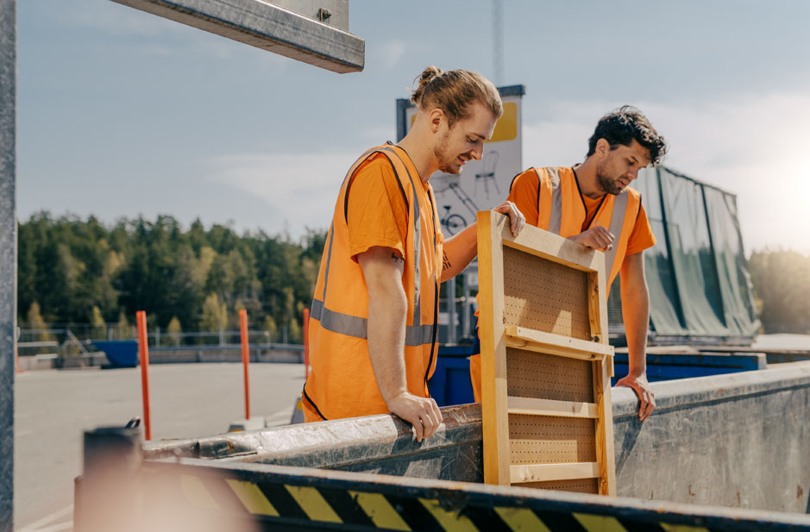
[
  {"x": 143, "y": 352},
  {"x": 243, "y": 325},
  {"x": 306, "y": 343}
]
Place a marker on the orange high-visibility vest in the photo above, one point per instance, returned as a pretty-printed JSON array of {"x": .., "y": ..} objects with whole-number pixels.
[
  {"x": 562, "y": 212},
  {"x": 341, "y": 382}
]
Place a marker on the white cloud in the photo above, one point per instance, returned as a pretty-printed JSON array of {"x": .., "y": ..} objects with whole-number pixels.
[
  {"x": 391, "y": 52},
  {"x": 754, "y": 147},
  {"x": 751, "y": 146},
  {"x": 299, "y": 189}
]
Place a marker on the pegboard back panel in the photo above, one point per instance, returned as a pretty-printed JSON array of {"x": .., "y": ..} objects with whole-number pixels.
[
  {"x": 545, "y": 296},
  {"x": 544, "y": 376},
  {"x": 551, "y": 440}
]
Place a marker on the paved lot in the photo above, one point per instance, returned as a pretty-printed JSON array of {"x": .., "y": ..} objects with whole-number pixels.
[{"x": 53, "y": 408}]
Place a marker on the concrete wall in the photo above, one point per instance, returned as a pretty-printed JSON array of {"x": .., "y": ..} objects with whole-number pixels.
[{"x": 738, "y": 440}]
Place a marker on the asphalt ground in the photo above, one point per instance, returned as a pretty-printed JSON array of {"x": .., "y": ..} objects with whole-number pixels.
[{"x": 53, "y": 408}]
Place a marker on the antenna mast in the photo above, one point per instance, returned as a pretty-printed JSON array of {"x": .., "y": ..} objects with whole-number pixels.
[{"x": 497, "y": 41}]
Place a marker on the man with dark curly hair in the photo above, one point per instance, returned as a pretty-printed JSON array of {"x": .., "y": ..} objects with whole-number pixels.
[{"x": 592, "y": 204}]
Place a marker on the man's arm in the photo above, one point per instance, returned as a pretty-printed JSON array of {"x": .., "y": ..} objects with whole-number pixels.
[
  {"x": 636, "y": 313},
  {"x": 463, "y": 247},
  {"x": 387, "y": 308}
]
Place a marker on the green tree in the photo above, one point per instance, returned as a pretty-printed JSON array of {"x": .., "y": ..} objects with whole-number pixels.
[
  {"x": 174, "y": 330},
  {"x": 99, "y": 326},
  {"x": 214, "y": 314},
  {"x": 782, "y": 284},
  {"x": 36, "y": 323},
  {"x": 77, "y": 269},
  {"x": 296, "y": 337},
  {"x": 123, "y": 329},
  {"x": 271, "y": 328}
]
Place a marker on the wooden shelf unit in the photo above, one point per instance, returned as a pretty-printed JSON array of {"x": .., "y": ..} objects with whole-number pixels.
[{"x": 545, "y": 361}]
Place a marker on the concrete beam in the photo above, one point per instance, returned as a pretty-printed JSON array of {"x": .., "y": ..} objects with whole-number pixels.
[
  {"x": 270, "y": 28},
  {"x": 8, "y": 256}
]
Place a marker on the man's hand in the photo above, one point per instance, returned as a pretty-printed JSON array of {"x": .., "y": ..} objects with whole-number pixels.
[
  {"x": 516, "y": 218},
  {"x": 642, "y": 389},
  {"x": 422, "y": 413},
  {"x": 596, "y": 237}
]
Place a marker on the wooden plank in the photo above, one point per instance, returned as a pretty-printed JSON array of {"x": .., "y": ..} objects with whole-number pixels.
[
  {"x": 556, "y": 344},
  {"x": 540, "y": 472},
  {"x": 604, "y": 429},
  {"x": 548, "y": 407},
  {"x": 594, "y": 308},
  {"x": 494, "y": 413},
  {"x": 556, "y": 249}
]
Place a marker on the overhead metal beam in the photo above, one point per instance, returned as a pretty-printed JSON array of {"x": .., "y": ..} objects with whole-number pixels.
[
  {"x": 8, "y": 257},
  {"x": 270, "y": 27}
]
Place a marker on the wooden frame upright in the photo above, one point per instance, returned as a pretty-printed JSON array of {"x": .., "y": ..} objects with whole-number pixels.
[{"x": 545, "y": 361}]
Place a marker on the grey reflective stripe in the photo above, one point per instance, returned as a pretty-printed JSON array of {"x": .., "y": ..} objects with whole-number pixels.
[
  {"x": 616, "y": 223},
  {"x": 556, "y": 201},
  {"x": 417, "y": 248},
  {"x": 416, "y": 335},
  {"x": 357, "y": 327},
  {"x": 337, "y": 322},
  {"x": 331, "y": 234},
  {"x": 417, "y": 256}
]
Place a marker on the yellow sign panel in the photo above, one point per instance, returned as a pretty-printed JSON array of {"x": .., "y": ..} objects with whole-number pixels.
[{"x": 507, "y": 127}]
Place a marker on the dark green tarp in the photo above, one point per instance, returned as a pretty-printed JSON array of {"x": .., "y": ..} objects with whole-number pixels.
[{"x": 699, "y": 286}]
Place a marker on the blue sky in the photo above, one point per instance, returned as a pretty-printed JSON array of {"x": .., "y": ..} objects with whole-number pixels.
[{"x": 122, "y": 113}]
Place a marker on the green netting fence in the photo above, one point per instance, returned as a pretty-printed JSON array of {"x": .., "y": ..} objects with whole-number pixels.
[{"x": 700, "y": 290}]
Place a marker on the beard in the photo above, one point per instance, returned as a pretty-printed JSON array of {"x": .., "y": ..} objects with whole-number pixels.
[
  {"x": 611, "y": 186},
  {"x": 447, "y": 164}
]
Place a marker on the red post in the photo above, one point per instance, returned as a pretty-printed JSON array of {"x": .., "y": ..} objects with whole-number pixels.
[
  {"x": 243, "y": 326},
  {"x": 306, "y": 343},
  {"x": 143, "y": 355}
]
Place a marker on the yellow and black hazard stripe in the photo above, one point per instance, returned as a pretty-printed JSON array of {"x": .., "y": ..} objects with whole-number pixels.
[
  {"x": 279, "y": 497},
  {"x": 272, "y": 504}
]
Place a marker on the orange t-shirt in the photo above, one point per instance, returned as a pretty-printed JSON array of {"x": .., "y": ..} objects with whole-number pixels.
[
  {"x": 377, "y": 215},
  {"x": 377, "y": 211}
]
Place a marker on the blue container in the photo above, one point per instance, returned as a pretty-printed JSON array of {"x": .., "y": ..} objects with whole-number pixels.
[
  {"x": 120, "y": 353},
  {"x": 450, "y": 384},
  {"x": 667, "y": 367}
]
